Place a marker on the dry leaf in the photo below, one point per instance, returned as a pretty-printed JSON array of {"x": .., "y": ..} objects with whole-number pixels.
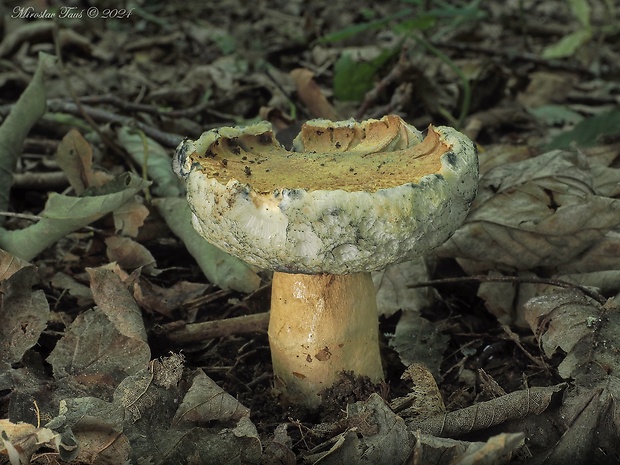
[
  {"x": 19, "y": 441},
  {"x": 540, "y": 212},
  {"x": 9, "y": 264},
  {"x": 165, "y": 300},
  {"x": 604, "y": 254},
  {"x": 75, "y": 289},
  {"x": 380, "y": 437},
  {"x": 206, "y": 401},
  {"x": 592, "y": 429},
  {"x": 129, "y": 254},
  {"x": 167, "y": 371},
  {"x": 23, "y": 312},
  {"x": 114, "y": 299},
  {"x": 515, "y": 405},
  {"x": 417, "y": 339},
  {"x": 497, "y": 449},
  {"x": 129, "y": 217},
  {"x": 506, "y": 300},
  {"x": 91, "y": 431},
  {"x": 311, "y": 94},
  {"x": 75, "y": 157},
  {"x": 424, "y": 400},
  {"x": 586, "y": 331},
  {"x": 394, "y": 293},
  {"x": 93, "y": 354}
]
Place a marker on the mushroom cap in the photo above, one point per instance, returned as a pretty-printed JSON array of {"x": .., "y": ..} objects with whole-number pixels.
[{"x": 352, "y": 197}]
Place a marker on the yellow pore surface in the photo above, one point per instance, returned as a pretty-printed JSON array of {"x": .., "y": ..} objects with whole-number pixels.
[{"x": 378, "y": 155}]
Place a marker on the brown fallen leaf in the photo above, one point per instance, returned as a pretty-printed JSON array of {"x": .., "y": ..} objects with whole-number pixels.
[
  {"x": 19, "y": 441},
  {"x": 424, "y": 399},
  {"x": 586, "y": 331},
  {"x": 312, "y": 96},
  {"x": 206, "y": 401},
  {"x": 591, "y": 421},
  {"x": 514, "y": 405},
  {"x": 130, "y": 217},
  {"x": 129, "y": 254},
  {"x": 9, "y": 264},
  {"x": 23, "y": 312},
  {"x": 166, "y": 300},
  {"x": 114, "y": 299},
  {"x": 75, "y": 156},
  {"x": 539, "y": 212},
  {"x": 93, "y": 355}
]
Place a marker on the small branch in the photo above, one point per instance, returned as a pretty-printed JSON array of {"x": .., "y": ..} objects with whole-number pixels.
[
  {"x": 197, "y": 332},
  {"x": 395, "y": 75},
  {"x": 514, "y": 279},
  {"x": 513, "y": 56},
  {"x": 23, "y": 216},
  {"x": 165, "y": 138},
  {"x": 40, "y": 181}
]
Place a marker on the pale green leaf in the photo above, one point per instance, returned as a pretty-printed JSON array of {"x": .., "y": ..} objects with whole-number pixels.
[
  {"x": 556, "y": 114},
  {"x": 63, "y": 215},
  {"x": 27, "y": 110},
  {"x": 588, "y": 132},
  {"x": 354, "y": 76},
  {"x": 148, "y": 153},
  {"x": 581, "y": 11},
  {"x": 568, "y": 45}
]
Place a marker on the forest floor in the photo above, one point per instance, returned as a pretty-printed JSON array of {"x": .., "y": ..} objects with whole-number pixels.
[{"x": 125, "y": 338}]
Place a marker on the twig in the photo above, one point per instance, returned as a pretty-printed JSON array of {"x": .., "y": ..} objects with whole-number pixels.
[
  {"x": 197, "y": 332},
  {"x": 511, "y": 55},
  {"x": 120, "y": 103},
  {"x": 23, "y": 216},
  {"x": 165, "y": 138},
  {"x": 125, "y": 105},
  {"x": 394, "y": 75},
  {"x": 209, "y": 298},
  {"x": 40, "y": 181},
  {"x": 466, "y": 100},
  {"x": 72, "y": 93},
  {"x": 514, "y": 279}
]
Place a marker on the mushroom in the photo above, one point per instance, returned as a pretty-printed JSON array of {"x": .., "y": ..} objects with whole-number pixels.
[{"x": 351, "y": 198}]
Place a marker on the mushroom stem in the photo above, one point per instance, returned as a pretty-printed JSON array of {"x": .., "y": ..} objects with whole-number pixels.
[{"x": 321, "y": 325}]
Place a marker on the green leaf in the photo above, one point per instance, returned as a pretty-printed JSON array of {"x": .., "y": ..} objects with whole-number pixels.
[
  {"x": 27, "y": 110},
  {"x": 581, "y": 11},
  {"x": 355, "y": 29},
  {"x": 568, "y": 45},
  {"x": 353, "y": 78},
  {"x": 556, "y": 114},
  {"x": 420, "y": 23},
  {"x": 63, "y": 215},
  {"x": 588, "y": 132},
  {"x": 155, "y": 158}
]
